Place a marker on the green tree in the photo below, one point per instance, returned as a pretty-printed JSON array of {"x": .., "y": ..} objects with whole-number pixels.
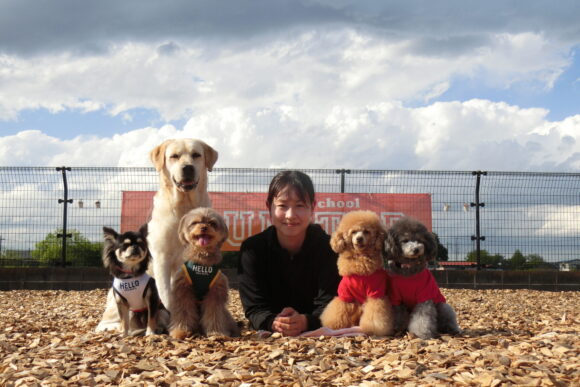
[
  {"x": 79, "y": 250},
  {"x": 12, "y": 254},
  {"x": 10, "y": 258},
  {"x": 535, "y": 261},
  {"x": 442, "y": 252},
  {"x": 485, "y": 258},
  {"x": 517, "y": 261}
]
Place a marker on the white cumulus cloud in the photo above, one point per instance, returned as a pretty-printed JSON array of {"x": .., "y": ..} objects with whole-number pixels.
[{"x": 473, "y": 135}]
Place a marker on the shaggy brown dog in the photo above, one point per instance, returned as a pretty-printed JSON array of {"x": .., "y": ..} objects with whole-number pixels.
[
  {"x": 419, "y": 307},
  {"x": 361, "y": 296},
  {"x": 199, "y": 291}
]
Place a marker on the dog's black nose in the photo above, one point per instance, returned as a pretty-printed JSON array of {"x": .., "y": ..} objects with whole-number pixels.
[
  {"x": 204, "y": 228},
  {"x": 188, "y": 171}
]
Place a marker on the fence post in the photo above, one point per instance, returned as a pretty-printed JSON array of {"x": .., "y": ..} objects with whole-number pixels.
[
  {"x": 66, "y": 200},
  {"x": 477, "y": 237},
  {"x": 342, "y": 173}
]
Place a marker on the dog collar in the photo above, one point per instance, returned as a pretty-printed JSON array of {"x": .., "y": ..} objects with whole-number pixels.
[{"x": 130, "y": 273}]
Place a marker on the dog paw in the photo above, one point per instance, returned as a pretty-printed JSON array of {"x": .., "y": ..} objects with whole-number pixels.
[
  {"x": 422, "y": 331},
  {"x": 425, "y": 335},
  {"x": 217, "y": 333},
  {"x": 179, "y": 334},
  {"x": 137, "y": 332},
  {"x": 452, "y": 330},
  {"x": 235, "y": 332}
]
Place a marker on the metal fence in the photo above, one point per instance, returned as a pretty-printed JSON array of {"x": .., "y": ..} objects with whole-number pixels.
[{"x": 537, "y": 214}]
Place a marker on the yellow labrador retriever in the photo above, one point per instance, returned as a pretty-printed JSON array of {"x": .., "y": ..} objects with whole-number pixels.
[{"x": 182, "y": 165}]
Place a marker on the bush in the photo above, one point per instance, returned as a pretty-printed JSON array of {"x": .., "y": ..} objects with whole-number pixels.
[
  {"x": 79, "y": 250},
  {"x": 485, "y": 258}
]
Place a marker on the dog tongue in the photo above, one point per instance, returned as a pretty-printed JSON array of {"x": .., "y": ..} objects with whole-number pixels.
[{"x": 204, "y": 240}]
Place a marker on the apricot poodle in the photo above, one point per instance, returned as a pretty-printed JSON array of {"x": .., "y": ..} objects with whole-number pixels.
[{"x": 361, "y": 298}]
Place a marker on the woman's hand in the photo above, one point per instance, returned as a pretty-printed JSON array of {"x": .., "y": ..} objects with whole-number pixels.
[{"x": 289, "y": 322}]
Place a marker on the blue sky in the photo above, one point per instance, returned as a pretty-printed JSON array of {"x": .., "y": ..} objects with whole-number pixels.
[
  {"x": 311, "y": 84},
  {"x": 72, "y": 123},
  {"x": 562, "y": 100}
]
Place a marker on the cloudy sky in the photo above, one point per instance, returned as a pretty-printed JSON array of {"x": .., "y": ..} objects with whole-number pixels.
[{"x": 432, "y": 85}]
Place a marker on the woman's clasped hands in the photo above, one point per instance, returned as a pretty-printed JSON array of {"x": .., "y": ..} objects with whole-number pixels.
[{"x": 289, "y": 322}]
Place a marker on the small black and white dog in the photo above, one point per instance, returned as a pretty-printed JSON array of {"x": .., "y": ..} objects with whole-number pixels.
[
  {"x": 127, "y": 257},
  {"x": 419, "y": 306}
]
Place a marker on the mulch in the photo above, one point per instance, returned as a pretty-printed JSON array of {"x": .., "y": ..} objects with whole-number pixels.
[{"x": 510, "y": 337}]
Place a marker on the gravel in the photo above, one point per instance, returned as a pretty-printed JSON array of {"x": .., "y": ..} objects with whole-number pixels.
[{"x": 510, "y": 337}]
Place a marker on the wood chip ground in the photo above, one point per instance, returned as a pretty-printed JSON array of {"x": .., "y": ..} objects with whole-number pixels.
[{"x": 511, "y": 337}]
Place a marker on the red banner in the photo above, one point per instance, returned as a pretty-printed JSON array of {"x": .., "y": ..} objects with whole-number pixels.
[{"x": 246, "y": 213}]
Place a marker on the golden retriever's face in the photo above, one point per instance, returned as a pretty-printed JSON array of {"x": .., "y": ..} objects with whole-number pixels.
[
  {"x": 203, "y": 228},
  {"x": 184, "y": 162}
]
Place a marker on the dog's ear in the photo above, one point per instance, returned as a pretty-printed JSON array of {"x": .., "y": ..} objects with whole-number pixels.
[
  {"x": 225, "y": 230},
  {"x": 431, "y": 247},
  {"x": 380, "y": 239},
  {"x": 392, "y": 248},
  {"x": 143, "y": 230},
  {"x": 181, "y": 231},
  {"x": 110, "y": 234},
  {"x": 157, "y": 155},
  {"x": 210, "y": 155},
  {"x": 337, "y": 242}
]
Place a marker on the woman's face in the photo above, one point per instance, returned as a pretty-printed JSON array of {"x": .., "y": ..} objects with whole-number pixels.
[{"x": 289, "y": 214}]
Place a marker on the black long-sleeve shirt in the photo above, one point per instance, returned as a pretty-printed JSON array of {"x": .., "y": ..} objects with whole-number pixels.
[{"x": 270, "y": 279}]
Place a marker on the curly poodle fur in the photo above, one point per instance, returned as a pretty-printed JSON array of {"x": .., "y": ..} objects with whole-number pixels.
[
  {"x": 419, "y": 307},
  {"x": 361, "y": 298}
]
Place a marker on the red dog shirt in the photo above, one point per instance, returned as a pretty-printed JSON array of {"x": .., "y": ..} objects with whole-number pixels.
[
  {"x": 414, "y": 290},
  {"x": 357, "y": 288}
]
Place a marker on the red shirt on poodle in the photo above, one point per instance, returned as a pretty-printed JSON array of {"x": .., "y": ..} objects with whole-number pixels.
[
  {"x": 414, "y": 289},
  {"x": 419, "y": 307},
  {"x": 356, "y": 288}
]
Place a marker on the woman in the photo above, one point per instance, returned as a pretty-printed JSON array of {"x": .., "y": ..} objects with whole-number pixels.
[{"x": 288, "y": 272}]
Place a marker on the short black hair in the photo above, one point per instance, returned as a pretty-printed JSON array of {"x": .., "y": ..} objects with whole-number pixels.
[{"x": 299, "y": 181}]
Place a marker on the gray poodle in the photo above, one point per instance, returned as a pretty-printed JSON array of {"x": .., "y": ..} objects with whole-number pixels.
[{"x": 418, "y": 304}]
